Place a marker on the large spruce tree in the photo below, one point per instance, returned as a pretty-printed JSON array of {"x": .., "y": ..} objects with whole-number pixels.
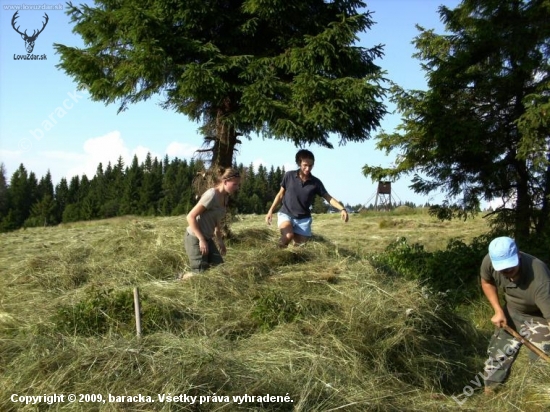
[
  {"x": 481, "y": 130},
  {"x": 288, "y": 70}
]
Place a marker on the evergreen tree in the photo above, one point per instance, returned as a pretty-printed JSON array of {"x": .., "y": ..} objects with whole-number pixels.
[
  {"x": 255, "y": 204},
  {"x": 71, "y": 212},
  {"x": 89, "y": 208},
  {"x": 84, "y": 189},
  {"x": 61, "y": 199},
  {"x": 157, "y": 175},
  {"x": 4, "y": 195},
  {"x": 287, "y": 70},
  {"x": 132, "y": 190},
  {"x": 45, "y": 186},
  {"x": 260, "y": 189},
  {"x": 93, "y": 201},
  {"x": 151, "y": 186},
  {"x": 42, "y": 212},
  {"x": 34, "y": 194},
  {"x": 246, "y": 190},
  {"x": 319, "y": 205},
  {"x": 115, "y": 184},
  {"x": 9, "y": 222},
  {"x": 74, "y": 189},
  {"x": 480, "y": 131},
  {"x": 187, "y": 195},
  {"x": 170, "y": 195},
  {"x": 109, "y": 205},
  {"x": 165, "y": 164},
  {"x": 274, "y": 179},
  {"x": 21, "y": 196}
]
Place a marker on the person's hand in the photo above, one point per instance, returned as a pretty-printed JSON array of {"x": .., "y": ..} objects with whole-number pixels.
[
  {"x": 499, "y": 319},
  {"x": 344, "y": 215},
  {"x": 203, "y": 246},
  {"x": 268, "y": 218}
]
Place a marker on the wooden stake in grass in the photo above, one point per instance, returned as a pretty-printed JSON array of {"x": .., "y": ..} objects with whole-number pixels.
[{"x": 137, "y": 311}]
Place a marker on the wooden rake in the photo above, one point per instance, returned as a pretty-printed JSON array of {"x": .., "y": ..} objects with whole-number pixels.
[{"x": 527, "y": 343}]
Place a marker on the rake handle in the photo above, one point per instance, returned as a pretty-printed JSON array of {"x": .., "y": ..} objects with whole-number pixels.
[{"x": 527, "y": 343}]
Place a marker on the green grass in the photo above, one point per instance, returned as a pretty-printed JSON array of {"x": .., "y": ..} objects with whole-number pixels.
[{"x": 318, "y": 323}]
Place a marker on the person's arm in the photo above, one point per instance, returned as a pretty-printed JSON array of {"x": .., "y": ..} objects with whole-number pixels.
[
  {"x": 278, "y": 199},
  {"x": 491, "y": 292},
  {"x": 193, "y": 224},
  {"x": 219, "y": 238},
  {"x": 338, "y": 205},
  {"x": 542, "y": 298}
]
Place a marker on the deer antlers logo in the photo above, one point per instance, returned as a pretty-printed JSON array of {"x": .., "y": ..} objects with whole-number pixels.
[{"x": 29, "y": 40}]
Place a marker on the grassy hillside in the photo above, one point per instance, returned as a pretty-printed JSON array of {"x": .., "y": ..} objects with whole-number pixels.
[{"x": 318, "y": 327}]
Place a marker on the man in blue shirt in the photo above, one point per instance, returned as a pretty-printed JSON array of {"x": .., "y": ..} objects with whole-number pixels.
[{"x": 298, "y": 191}]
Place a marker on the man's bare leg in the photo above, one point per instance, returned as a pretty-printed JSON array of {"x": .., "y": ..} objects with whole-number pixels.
[
  {"x": 300, "y": 240},
  {"x": 287, "y": 234}
]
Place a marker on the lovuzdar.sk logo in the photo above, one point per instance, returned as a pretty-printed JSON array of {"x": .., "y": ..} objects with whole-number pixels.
[{"x": 29, "y": 40}]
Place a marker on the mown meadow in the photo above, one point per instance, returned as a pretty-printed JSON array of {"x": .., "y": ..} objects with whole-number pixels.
[{"x": 383, "y": 313}]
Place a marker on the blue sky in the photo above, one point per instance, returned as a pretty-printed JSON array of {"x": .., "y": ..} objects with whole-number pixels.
[{"x": 46, "y": 124}]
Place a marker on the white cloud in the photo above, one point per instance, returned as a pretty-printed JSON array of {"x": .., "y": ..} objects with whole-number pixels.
[
  {"x": 141, "y": 153},
  {"x": 110, "y": 144},
  {"x": 9, "y": 154},
  {"x": 256, "y": 163},
  {"x": 181, "y": 150},
  {"x": 500, "y": 202},
  {"x": 63, "y": 156},
  {"x": 290, "y": 166},
  {"x": 103, "y": 149},
  {"x": 494, "y": 204}
]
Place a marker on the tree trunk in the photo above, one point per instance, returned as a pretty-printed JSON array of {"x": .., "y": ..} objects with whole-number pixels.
[
  {"x": 223, "y": 139},
  {"x": 523, "y": 207},
  {"x": 224, "y": 145}
]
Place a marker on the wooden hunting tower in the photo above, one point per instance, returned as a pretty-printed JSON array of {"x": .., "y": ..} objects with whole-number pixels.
[{"x": 383, "y": 194}]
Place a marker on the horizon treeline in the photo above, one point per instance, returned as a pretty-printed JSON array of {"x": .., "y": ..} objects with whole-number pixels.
[{"x": 149, "y": 188}]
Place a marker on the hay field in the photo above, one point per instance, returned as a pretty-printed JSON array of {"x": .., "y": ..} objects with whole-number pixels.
[{"x": 315, "y": 328}]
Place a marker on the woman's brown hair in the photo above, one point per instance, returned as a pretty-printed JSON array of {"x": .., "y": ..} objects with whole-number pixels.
[{"x": 228, "y": 173}]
